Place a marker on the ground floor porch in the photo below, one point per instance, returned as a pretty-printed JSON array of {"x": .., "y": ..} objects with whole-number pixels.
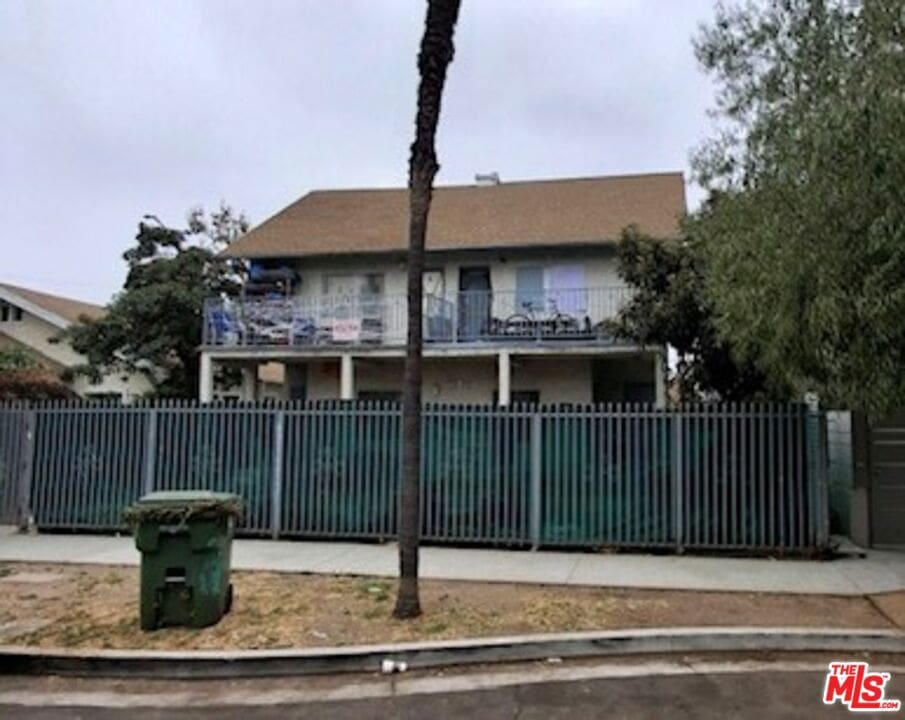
[{"x": 502, "y": 377}]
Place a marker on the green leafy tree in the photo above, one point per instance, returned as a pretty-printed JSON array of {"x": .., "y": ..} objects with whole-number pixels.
[
  {"x": 153, "y": 326},
  {"x": 669, "y": 307},
  {"x": 806, "y": 245}
]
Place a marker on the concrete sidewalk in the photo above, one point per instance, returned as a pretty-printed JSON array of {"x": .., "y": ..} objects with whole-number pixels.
[{"x": 852, "y": 575}]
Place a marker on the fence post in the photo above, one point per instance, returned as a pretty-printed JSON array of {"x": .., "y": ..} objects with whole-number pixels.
[
  {"x": 276, "y": 490},
  {"x": 535, "y": 496},
  {"x": 817, "y": 479},
  {"x": 150, "y": 459},
  {"x": 678, "y": 483},
  {"x": 24, "y": 509}
]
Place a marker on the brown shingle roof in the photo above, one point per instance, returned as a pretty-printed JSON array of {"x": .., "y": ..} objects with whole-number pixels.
[
  {"x": 66, "y": 308},
  {"x": 516, "y": 214}
]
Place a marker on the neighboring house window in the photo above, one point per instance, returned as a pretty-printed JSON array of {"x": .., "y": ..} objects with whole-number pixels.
[
  {"x": 4, "y": 312},
  {"x": 17, "y": 314}
]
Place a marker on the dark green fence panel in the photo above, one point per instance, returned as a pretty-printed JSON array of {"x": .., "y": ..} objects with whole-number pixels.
[
  {"x": 14, "y": 443},
  {"x": 87, "y": 464},
  {"x": 727, "y": 476},
  {"x": 225, "y": 449}
]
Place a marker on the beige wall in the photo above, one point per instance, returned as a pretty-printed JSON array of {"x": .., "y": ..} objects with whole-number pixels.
[
  {"x": 35, "y": 334},
  {"x": 558, "y": 380},
  {"x": 474, "y": 380},
  {"x": 600, "y": 270}
]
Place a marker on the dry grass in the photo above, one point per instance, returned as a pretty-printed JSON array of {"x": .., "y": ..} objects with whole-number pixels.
[{"x": 97, "y": 607}]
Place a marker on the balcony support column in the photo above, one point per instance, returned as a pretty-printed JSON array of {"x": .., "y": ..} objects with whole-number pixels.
[
  {"x": 504, "y": 381},
  {"x": 250, "y": 382},
  {"x": 206, "y": 378},
  {"x": 346, "y": 377}
]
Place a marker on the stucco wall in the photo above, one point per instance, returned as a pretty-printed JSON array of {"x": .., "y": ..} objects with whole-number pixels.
[
  {"x": 600, "y": 269},
  {"x": 474, "y": 380},
  {"x": 35, "y": 334},
  {"x": 558, "y": 380}
]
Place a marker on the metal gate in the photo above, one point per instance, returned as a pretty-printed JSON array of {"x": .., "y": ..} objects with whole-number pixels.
[{"x": 887, "y": 481}]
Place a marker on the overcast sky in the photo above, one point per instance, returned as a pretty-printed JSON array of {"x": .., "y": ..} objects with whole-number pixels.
[{"x": 112, "y": 109}]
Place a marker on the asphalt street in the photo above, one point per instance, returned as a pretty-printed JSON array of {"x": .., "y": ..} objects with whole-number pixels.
[{"x": 718, "y": 695}]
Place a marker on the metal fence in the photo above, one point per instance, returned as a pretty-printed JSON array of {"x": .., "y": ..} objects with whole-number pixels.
[{"x": 622, "y": 475}]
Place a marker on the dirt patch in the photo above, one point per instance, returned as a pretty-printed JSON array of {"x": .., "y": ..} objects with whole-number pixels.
[{"x": 97, "y": 607}]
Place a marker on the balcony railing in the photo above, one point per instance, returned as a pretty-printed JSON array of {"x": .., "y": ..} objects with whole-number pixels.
[{"x": 474, "y": 317}]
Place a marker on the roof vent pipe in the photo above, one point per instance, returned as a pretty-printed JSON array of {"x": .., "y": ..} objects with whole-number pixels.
[{"x": 487, "y": 179}]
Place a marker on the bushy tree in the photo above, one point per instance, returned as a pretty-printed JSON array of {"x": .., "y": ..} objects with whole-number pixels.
[
  {"x": 153, "y": 326},
  {"x": 23, "y": 377},
  {"x": 806, "y": 246},
  {"x": 669, "y": 307},
  {"x": 18, "y": 358}
]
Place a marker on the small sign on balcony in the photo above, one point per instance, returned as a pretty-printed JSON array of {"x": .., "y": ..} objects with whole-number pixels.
[{"x": 347, "y": 330}]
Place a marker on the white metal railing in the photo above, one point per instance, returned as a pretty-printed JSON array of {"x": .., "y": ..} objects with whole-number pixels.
[{"x": 574, "y": 314}]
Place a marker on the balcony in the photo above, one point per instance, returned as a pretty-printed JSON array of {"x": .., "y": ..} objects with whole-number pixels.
[{"x": 550, "y": 316}]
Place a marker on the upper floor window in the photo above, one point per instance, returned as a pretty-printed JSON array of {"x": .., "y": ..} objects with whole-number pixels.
[
  {"x": 554, "y": 287},
  {"x": 10, "y": 313},
  {"x": 354, "y": 285}
]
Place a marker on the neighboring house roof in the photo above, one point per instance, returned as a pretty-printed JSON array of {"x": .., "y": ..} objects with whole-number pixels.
[
  {"x": 508, "y": 215},
  {"x": 55, "y": 309}
]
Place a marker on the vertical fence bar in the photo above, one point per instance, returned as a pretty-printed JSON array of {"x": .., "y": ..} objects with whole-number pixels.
[
  {"x": 535, "y": 498},
  {"x": 26, "y": 475},
  {"x": 276, "y": 490},
  {"x": 678, "y": 481},
  {"x": 150, "y": 460}
]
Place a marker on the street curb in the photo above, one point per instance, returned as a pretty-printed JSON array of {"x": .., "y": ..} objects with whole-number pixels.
[{"x": 20, "y": 660}]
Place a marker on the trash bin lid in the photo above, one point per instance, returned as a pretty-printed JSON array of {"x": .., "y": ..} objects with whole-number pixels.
[
  {"x": 182, "y": 505},
  {"x": 187, "y": 497}
]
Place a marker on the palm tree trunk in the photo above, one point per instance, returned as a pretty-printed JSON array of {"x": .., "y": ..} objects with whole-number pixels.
[{"x": 433, "y": 60}]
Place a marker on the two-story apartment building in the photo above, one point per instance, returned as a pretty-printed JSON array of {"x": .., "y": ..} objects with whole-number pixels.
[{"x": 520, "y": 280}]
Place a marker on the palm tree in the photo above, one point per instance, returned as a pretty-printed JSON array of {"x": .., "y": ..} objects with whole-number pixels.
[{"x": 433, "y": 60}]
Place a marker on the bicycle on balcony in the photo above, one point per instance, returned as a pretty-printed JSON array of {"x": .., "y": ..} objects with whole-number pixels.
[{"x": 539, "y": 319}]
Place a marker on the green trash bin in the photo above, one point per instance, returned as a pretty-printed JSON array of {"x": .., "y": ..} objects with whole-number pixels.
[{"x": 185, "y": 539}]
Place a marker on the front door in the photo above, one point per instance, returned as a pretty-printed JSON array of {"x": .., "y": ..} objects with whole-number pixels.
[{"x": 474, "y": 301}]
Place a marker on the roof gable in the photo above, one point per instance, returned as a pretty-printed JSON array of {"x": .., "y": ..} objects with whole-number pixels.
[{"x": 56, "y": 310}]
